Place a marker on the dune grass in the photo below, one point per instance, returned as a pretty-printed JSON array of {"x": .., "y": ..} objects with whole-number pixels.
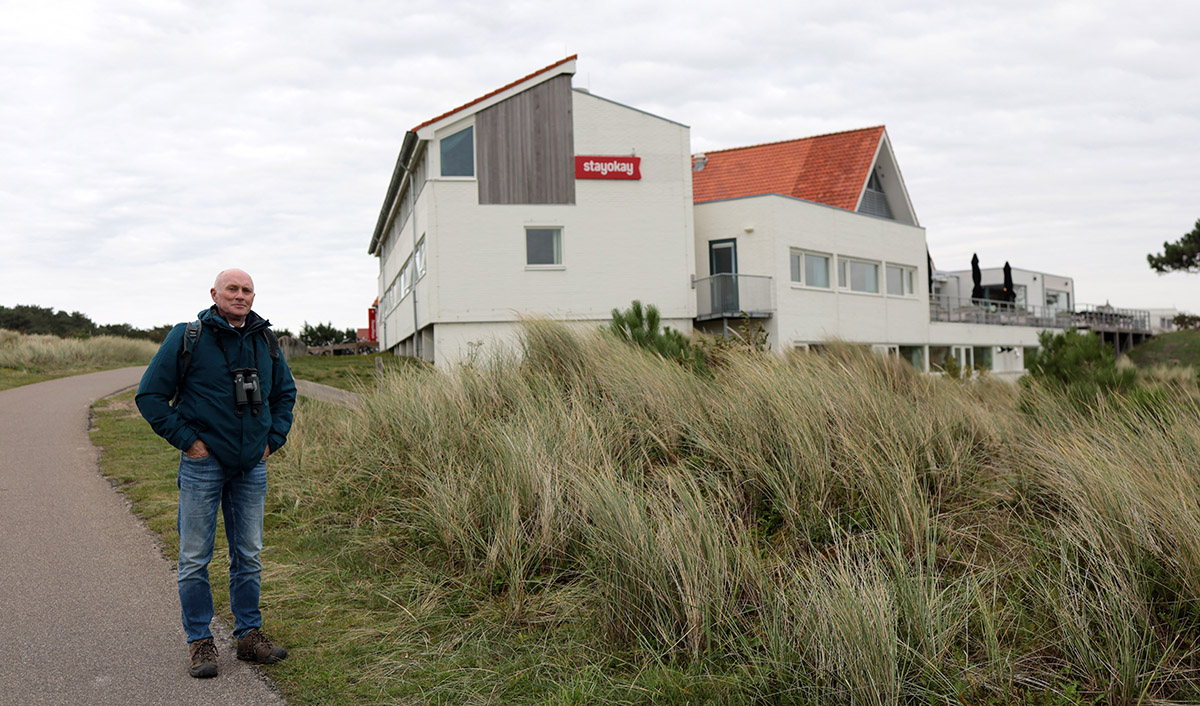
[
  {"x": 588, "y": 523},
  {"x": 26, "y": 359}
]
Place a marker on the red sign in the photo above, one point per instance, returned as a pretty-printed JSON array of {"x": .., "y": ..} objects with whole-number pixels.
[
  {"x": 372, "y": 334},
  {"x": 608, "y": 167}
]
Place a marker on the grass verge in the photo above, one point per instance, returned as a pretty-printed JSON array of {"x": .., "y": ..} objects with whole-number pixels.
[{"x": 347, "y": 372}]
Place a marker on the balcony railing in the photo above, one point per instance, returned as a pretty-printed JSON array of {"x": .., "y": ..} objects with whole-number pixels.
[
  {"x": 732, "y": 296},
  {"x": 997, "y": 313}
]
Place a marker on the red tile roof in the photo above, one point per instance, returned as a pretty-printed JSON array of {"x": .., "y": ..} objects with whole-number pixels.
[
  {"x": 482, "y": 98},
  {"x": 828, "y": 169}
]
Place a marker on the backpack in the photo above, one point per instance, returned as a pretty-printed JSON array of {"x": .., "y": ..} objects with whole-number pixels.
[{"x": 191, "y": 336}]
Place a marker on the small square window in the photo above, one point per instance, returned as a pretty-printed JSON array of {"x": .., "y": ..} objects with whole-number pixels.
[
  {"x": 899, "y": 280},
  {"x": 543, "y": 246},
  {"x": 810, "y": 269},
  {"x": 816, "y": 270},
  {"x": 858, "y": 276}
]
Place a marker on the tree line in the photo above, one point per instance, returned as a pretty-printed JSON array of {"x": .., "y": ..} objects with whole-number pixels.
[{"x": 29, "y": 319}]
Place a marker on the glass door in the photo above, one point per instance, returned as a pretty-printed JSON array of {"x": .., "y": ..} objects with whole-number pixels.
[{"x": 722, "y": 265}]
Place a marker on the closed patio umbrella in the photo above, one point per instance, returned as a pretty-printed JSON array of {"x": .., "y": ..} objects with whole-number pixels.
[
  {"x": 976, "y": 277},
  {"x": 1010, "y": 294}
]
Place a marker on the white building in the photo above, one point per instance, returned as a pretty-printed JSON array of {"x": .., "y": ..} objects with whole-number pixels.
[
  {"x": 543, "y": 199},
  {"x": 536, "y": 198}
]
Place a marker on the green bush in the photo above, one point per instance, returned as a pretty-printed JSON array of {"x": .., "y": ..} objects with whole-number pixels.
[
  {"x": 1078, "y": 361},
  {"x": 642, "y": 326}
]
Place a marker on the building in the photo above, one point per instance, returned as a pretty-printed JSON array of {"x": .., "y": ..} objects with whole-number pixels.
[
  {"x": 540, "y": 198},
  {"x": 535, "y": 198}
]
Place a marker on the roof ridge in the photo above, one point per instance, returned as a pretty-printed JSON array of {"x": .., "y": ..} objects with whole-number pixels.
[
  {"x": 795, "y": 139},
  {"x": 484, "y": 97}
]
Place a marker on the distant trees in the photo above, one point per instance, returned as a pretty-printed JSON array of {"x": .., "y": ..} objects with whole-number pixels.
[
  {"x": 1181, "y": 256},
  {"x": 44, "y": 320},
  {"x": 1186, "y": 322},
  {"x": 326, "y": 335}
]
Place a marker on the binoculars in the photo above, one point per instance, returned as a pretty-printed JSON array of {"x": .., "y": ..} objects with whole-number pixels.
[{"x": 246, "y": 390}]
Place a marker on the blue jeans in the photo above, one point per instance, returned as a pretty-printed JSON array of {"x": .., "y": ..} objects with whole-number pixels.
[{"x": 204, "y": 484}]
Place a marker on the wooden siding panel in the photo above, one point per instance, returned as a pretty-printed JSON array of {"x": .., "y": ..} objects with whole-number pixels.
[{"x": 525, "y": 147}]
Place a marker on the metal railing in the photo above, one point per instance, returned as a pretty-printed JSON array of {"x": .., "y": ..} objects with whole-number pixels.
[
  {"x": 732, "y": 295},
  {"x": 998, "y": 313}
]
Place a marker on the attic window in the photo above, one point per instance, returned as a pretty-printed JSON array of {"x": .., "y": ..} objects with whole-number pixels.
[
  {"x": 458, "y": 154},
  {"x": 874, "y": 201}
]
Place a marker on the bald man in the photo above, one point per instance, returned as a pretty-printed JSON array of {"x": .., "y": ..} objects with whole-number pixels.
[{"x": 219, "y": 391}]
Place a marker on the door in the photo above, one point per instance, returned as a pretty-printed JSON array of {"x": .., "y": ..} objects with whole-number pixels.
[{"x": 722, "y": 265}]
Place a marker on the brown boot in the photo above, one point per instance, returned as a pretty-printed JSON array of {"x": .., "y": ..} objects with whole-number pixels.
[
  {"x": 204, "y": 658},
  {"x": 255, "y": 646}
]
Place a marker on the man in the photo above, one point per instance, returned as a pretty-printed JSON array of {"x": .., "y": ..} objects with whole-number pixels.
[{"x": 222, "y": 394}]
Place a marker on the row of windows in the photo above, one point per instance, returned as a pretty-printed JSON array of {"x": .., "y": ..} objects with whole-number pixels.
[
  {"x": 412, "y": 270},
  {"x": 810, "y": 269}
]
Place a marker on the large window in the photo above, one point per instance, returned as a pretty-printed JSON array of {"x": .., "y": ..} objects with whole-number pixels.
[
  {"x": 810, "y": 269},
  {"x": 1058, "y": 300},
  {"x": 458, "y": 154},
  {"x": 900, "y": 280},
  {"x": 858, "y": 275},
  {"x": 543, "y": 246},
  {"x": 421, "y": 258}
]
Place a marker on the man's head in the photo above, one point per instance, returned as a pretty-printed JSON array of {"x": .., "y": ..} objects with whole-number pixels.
[{"x": 233, "y": 293}]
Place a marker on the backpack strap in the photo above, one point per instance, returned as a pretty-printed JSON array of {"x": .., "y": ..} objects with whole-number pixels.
[
  {"x": 272, "y": 343},
  {"x": 191, "y": 336}
]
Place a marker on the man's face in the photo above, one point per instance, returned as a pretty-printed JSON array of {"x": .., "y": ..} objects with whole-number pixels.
[{"x": 234, "y": 295}]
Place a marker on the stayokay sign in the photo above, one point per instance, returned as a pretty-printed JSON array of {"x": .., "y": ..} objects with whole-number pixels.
[{"x": 608, "y": 167}]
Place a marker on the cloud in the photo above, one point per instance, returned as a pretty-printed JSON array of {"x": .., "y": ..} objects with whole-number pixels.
[{"x": 143, "y": 147}]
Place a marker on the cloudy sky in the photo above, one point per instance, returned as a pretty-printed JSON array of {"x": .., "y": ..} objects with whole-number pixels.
[{"x": 146, "y": 145}]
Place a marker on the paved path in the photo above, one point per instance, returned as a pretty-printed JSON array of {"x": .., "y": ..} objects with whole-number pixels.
[{"x": 89, "y": 613}]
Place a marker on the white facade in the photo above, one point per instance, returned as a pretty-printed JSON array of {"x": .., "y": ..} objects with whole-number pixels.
[
  {"x": 1033, "y": 289},
  {"x": 621, "y": 240},
  {"x": 767, "y": 230}
]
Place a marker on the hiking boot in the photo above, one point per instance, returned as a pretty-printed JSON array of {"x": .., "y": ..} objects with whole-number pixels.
[
  {"x": 204, "y": 659},
  {"x": 255, "y": 646}
]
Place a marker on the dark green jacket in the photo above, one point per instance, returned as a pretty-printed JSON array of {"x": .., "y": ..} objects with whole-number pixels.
[{"x": 208, "y": 408}]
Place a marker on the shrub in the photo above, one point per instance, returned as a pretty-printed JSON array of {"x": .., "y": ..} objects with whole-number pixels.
[
  {"x": 641, "y": 326},
  {"x": 1186, "y": 322},
  {"x": 1079, "y": 361}
]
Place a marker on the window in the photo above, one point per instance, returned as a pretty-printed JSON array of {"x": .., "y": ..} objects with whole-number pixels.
[
  {"x": 858, "y": 276},
  {"x": 983, "y": 357},
  {"x": 900, "y": 280},
  {"x": 421, "y": 258},
  {"x": 914, "y": 355},
  {"x": 543, "y": 246},
  {"x": 1058, "y": 300},
  {"x": 810, "y": 269},
  {"x": 458, "y": 154},
  {"x": 405, "y": 278}
]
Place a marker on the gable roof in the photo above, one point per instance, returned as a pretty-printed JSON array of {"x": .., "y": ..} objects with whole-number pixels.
[
  {"x": 498, "y": 91},
  {"x": 830, "y": 169}
]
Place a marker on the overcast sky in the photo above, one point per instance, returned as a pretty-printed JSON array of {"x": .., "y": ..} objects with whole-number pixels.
[{"x": 146, "y": 145}]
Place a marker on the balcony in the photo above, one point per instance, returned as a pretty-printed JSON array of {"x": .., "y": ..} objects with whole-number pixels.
[
  {"x": 996, "y": 313},
  {"x": 733, "y": 296}
]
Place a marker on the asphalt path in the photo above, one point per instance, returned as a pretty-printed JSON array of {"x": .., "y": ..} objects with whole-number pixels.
[{"x": 89, "y": 612}]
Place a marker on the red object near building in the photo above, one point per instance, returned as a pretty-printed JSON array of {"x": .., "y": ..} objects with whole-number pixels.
[{"x": 372, "y": 328}]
